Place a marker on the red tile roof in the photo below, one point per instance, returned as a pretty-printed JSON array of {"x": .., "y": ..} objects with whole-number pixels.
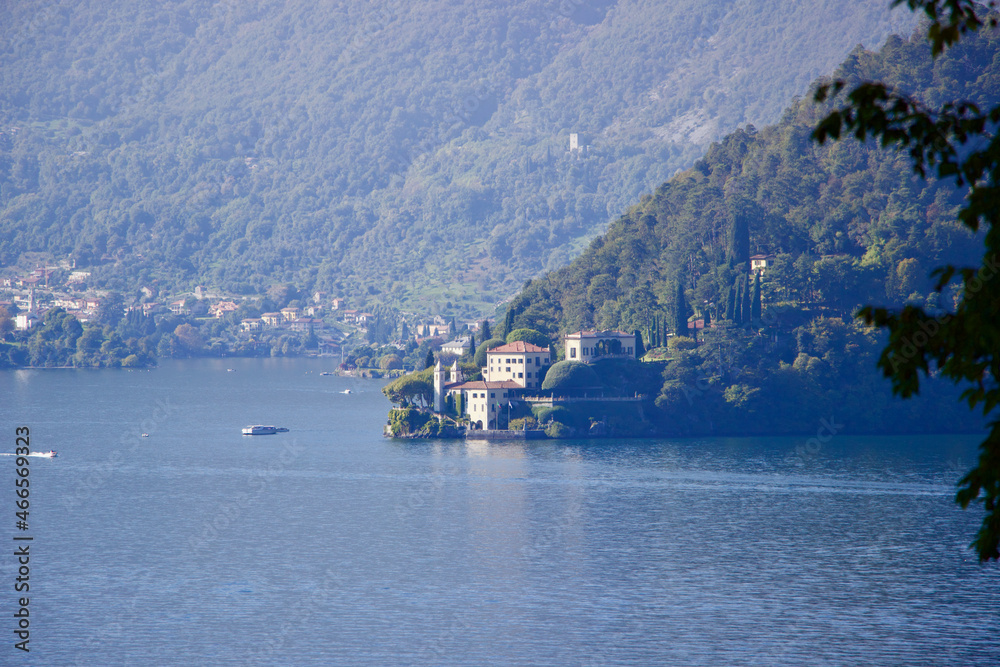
[
  {"x": 519, "y": 346},
  {"x": 482, "y": 384}
]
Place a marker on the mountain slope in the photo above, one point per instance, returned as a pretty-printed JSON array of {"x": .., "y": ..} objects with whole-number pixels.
[
  {"x": 838, "y": 225},
  {"x": 391, "y": 151}
]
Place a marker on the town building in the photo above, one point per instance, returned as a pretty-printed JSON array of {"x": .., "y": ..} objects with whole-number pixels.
[
  {"x": 458, "y": 347},
  {"x": 221, "y": 308},
  {"x": 252, "y": 324}
]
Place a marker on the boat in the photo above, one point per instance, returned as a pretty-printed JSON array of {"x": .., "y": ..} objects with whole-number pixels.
[
  {"x": 327, "y": 373},
  {"x": 346, "y": 391},
  {"x": 260, "y": 429}
]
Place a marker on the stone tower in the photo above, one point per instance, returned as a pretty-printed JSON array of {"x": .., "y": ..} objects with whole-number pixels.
[{"x": 438, "y": 387}]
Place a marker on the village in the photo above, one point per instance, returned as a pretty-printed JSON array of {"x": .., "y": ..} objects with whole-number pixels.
[{"x": 316, "y": 324}]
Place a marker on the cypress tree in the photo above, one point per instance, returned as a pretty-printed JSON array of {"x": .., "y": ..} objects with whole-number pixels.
[
  {"x": 739, "y": 232},
  {"x": 757, "y": 307},
  {"x": 738, "y": 305},
  {"x": 731, "y": 304},
  {"x": 680, "y": 310},
  {"x": 508, "y": 323},
  {"x": 640, "y": 349},
  {"x": 485, "y": 329},
  {"x": 429, "y": 361},
  {"x": 746, "y": 312}
]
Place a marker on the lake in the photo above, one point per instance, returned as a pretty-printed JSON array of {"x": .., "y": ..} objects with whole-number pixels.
[{"x": 330, "y": 544}]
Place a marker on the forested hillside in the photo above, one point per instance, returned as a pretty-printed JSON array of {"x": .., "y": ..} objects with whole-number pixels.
[
  {"x": 845, "y": 224},
  {"x": 386, "y": 150}
]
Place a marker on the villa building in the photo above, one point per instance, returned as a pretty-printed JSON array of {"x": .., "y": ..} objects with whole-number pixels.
[
  {"x": 272, "y": 319},
  {"x": 458, "y": 347},
  {"x": 760, "y": 263},
  {"x": 510, "y": 369},
  {"x": 589, "y": 346}
]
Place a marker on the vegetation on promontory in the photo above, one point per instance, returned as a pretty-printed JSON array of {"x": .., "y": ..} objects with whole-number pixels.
[{"x": 832, "y": 227}]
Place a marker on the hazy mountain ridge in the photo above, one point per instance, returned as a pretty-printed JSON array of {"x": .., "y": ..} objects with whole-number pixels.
[{"x": 240, "y": 145}]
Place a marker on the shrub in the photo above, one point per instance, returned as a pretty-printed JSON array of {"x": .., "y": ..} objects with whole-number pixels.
[
  {"x": 565, "y": 376},
  {"x": 523, "y": 424},
  {"x": 558, "y": 430}
]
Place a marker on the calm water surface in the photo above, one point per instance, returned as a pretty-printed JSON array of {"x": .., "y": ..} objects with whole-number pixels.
[{"x": 332, "y": 545}]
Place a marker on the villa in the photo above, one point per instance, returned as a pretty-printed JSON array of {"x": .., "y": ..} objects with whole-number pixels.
[
  {"x": 589, "y": 346},
  {"x": 509, "y": 370}
]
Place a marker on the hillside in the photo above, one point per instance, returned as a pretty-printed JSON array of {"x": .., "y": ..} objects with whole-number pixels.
[
  {"x": 393, "y": 152},
  {"x": 838, "y": 225}
]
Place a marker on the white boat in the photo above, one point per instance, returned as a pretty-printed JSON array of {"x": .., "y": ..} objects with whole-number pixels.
[
  {"x": 346, "y": 391},
  {"x": 260, "y": 429}
]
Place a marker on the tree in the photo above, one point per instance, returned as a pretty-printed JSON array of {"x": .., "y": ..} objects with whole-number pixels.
[
  {"x": 746, "y": 312},
  {"x": 190, "y": 338},
  {"x": 756, "y": 308},
  {"x": 429, "y": 360},
  {"x": 6, "y": 323},
  {"x": 680, "y": 310},
  {"x": 508, "y": 322},
  {"x": 528, "y": 336},
  {"x": 640, "y": 350},
  {"x": 484, "y": 328},
  {"x": 731, "y": 304},
  {"x": 409, "y": 389},
  {"x": 741, "y": 211},
  {"x": 111, "y": 309},
  {"x": 956, "y": 141},
  {"x": 484, "y": 347}
]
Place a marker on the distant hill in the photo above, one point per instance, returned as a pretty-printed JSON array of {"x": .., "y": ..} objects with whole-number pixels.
[{"x": 415, "y": 154}]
